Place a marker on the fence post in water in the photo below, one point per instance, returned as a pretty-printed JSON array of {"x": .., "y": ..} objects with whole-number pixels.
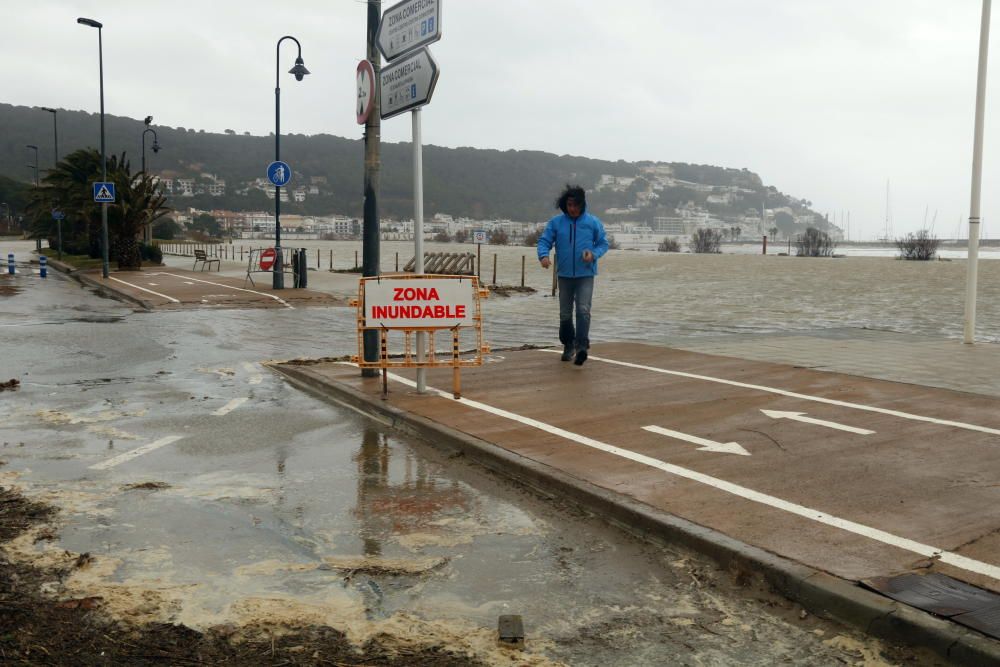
[
  {"x": 355, "y": 259},
  {"x": 331, "y": 260},
  {"x": 522, "y": 270},
  {"x": 765, "y": 244},
  {"x": 397, "y": 262},
  {"x": 494, "y": 268},
  {"x": 10, "y": 263},
  {"x": 42, "y": 266}
]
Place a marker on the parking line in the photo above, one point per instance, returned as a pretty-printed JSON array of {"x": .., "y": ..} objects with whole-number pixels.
[
  {"x": 168, "y": 298},
  {"x": 805, "y": 397},
  {"x": 876, "y": 534},
  {"x": 240, "y": 289},
  {"x": 139, "y": 451}
]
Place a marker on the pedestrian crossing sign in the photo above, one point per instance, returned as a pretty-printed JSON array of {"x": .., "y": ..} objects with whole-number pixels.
[{"x": 104, "y": 192}]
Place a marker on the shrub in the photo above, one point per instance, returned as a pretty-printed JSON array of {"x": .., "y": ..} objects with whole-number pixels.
[
  {"x": 920, "y": 246},
  {"x": 442, "y": 237},
  {"x": 531, "y": 239},
  {"x": 814, "y": 243},
  {"x": 669, "y": 245},
  {"x": 706, "y": 241},
  {"x": 151, "y": 253},
  {"x": 499, "y": 237},
  {"x": 461, "y": 236}
]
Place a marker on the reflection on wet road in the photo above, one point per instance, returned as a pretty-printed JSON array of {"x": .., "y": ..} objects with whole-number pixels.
[{"x": 261, "y": 504}]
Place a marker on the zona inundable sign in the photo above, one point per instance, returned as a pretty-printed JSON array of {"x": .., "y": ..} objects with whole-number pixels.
[{"x": 438, "y": 303}]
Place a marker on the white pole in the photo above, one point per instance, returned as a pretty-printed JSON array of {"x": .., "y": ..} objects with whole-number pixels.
[
  {"x": 418, "y": 232},
  {"x": 977, "y": 180}
]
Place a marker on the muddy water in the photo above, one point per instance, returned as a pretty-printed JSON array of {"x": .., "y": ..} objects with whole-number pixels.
[{"x": 289, "y": 510}]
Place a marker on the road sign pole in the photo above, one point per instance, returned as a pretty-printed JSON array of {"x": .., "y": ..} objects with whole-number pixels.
[
  {"x": 418, "y": 232},
  {"x": 371, "y": 238}
]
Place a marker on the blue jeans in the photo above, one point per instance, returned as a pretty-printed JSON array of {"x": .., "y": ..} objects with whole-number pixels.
[{"x": 580, "y": 290}]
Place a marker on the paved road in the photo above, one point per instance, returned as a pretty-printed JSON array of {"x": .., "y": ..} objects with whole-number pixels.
[{"x": 210, "y": 491}]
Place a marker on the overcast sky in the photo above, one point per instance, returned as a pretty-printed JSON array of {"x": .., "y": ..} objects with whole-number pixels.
[{"x": 826, "y": 100}]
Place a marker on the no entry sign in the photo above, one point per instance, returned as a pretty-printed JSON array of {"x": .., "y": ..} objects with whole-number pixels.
[
  {"x": 439, "y": 303},
  {"x": 267, "y": 259}
]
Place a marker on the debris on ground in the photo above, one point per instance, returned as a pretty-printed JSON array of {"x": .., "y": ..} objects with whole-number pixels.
[{"x": 11, "y": 384}]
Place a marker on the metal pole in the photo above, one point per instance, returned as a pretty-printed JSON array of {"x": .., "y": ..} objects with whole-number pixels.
[
  {"x": 977, "y": 179},
  {"x": 278, "y": 277},
  {"x": 105, "y": 272},
  {"x": 418, "y": 232},
  {"x": 370, "y": 237}
]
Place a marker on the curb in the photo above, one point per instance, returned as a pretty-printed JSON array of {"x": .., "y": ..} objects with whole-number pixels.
[
  {"x": 81, "y": 277},
  {"x": 820, "y": 593}
]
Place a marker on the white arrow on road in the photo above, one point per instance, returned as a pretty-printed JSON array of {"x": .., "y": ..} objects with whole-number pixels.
[
  {"x": 800, "y": 417},
  {"x": 706, "y": 445}
]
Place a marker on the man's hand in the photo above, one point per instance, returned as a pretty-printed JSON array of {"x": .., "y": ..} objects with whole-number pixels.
[
  {"x": 545, "y": 262},
  {"x": 588, "y": 256}
]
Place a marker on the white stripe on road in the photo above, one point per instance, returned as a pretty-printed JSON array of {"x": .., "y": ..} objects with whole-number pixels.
[
  {"x": 805, "y": 397},
  {"x": 168, "y": 298},
  {"x": 255, "y": 377},
  {"x": 230, "y": 406},
  {"x": 240, "y": 289},
  {"x": 139, "y": 451},
  {"x": 925, "y": 550}
]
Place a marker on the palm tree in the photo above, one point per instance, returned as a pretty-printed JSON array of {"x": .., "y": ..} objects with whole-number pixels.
[{"x": 68, "y": 187}]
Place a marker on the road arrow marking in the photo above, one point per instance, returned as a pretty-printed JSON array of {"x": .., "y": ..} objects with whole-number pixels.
[
  {"x": 800, "y": 417},
  {"x": 706, "y": 445}
]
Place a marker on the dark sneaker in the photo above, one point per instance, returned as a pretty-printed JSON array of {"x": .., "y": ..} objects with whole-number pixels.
[
  {"x": 581, "y": 357},
  {"x": 567, "y": 353}
]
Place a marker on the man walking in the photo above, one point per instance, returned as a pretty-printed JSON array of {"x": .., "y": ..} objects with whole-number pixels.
[{"x": 579, "y": 241}]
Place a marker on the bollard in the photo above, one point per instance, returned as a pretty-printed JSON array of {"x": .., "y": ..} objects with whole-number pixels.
[
  {"x": 303, "y": 268},
  {"x": 43, "y": 269},
  {"x": 10, "y": 263}
]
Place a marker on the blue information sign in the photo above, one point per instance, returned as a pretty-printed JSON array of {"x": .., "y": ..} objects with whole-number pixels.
[
  {"x": 279, "y": 173},
  {"x": 57, "y": 214},
  {"x": 104, "y": 192}
]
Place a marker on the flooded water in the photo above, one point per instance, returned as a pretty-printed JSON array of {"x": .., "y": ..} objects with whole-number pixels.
[{"x": 289, "y": 509}]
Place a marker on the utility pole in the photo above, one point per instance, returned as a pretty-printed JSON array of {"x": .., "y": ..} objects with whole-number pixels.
[
  {"x": 969, "y": 322},
  {"x": 370, "y": 231}
]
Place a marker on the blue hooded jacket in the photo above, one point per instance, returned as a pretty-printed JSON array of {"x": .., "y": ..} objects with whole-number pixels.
[{"x": 570, "y": 238}]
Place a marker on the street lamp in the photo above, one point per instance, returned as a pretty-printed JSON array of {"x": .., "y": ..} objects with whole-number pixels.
[
  {"x": 147, "y": 231},
  {"x": 55, "y": 133},
  {"x": 299, "y": 71},
  {"x": 35, "y": 166},
  {"x": 104, "y": 161}
]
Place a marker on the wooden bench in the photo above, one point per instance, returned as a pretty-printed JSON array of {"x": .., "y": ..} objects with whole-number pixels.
[{"x": 200, "y": 256}]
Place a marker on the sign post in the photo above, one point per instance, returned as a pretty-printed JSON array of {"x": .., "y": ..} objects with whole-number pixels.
[
  {"x": 58, "y": 216},
  {"x": 407, "y": 83},
  {"x": 279, "y": 173},
  {"x": 479, "y": 238}
]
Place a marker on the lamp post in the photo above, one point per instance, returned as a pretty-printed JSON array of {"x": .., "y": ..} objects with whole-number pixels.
[
  {"x": 147, "y": 230},
  {"x": 299, "y": 71},
  {"x": 35, "y": 166},
  {"x": 104, "y": 161},
  {"x": 55, "y": 134}
]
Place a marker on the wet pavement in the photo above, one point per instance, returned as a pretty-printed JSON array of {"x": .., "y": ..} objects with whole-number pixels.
[{"x": 253, "y": 501}]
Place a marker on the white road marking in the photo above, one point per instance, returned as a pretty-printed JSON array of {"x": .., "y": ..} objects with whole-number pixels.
[
  {"x": 801, "y": 417},
  {"x": 805, "y": 397},
  {"x": 924, "y": 550},
  {"x": 706, "y": 445},
  {"x": 168, "y": 298},
  {"x": 255, "y": 377},
  {"x": 188, "y": 282},
  {"x": 230, "y": 406},
  {"x": 239, "y": 289},
  {"x": 139, "y": 451},
  {"x": 152, "y": 284}
]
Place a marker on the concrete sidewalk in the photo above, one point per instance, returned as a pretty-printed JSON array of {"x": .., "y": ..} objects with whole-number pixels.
[{"x": 843, "y": 474}]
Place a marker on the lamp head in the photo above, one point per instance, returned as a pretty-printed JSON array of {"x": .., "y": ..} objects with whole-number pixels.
[
  {"x": 299, "y": 70},
  {"x": 148, "y": 120},
  {"x": 156, "y": 146},
  {"x": 91, "y": 22},
  {"x": 49, "y": 109}
]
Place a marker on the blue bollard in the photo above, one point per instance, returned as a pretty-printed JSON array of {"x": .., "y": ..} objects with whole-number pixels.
[
  {"x": 43, "y": 267},
  {"x": 10, "y": 263}
]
